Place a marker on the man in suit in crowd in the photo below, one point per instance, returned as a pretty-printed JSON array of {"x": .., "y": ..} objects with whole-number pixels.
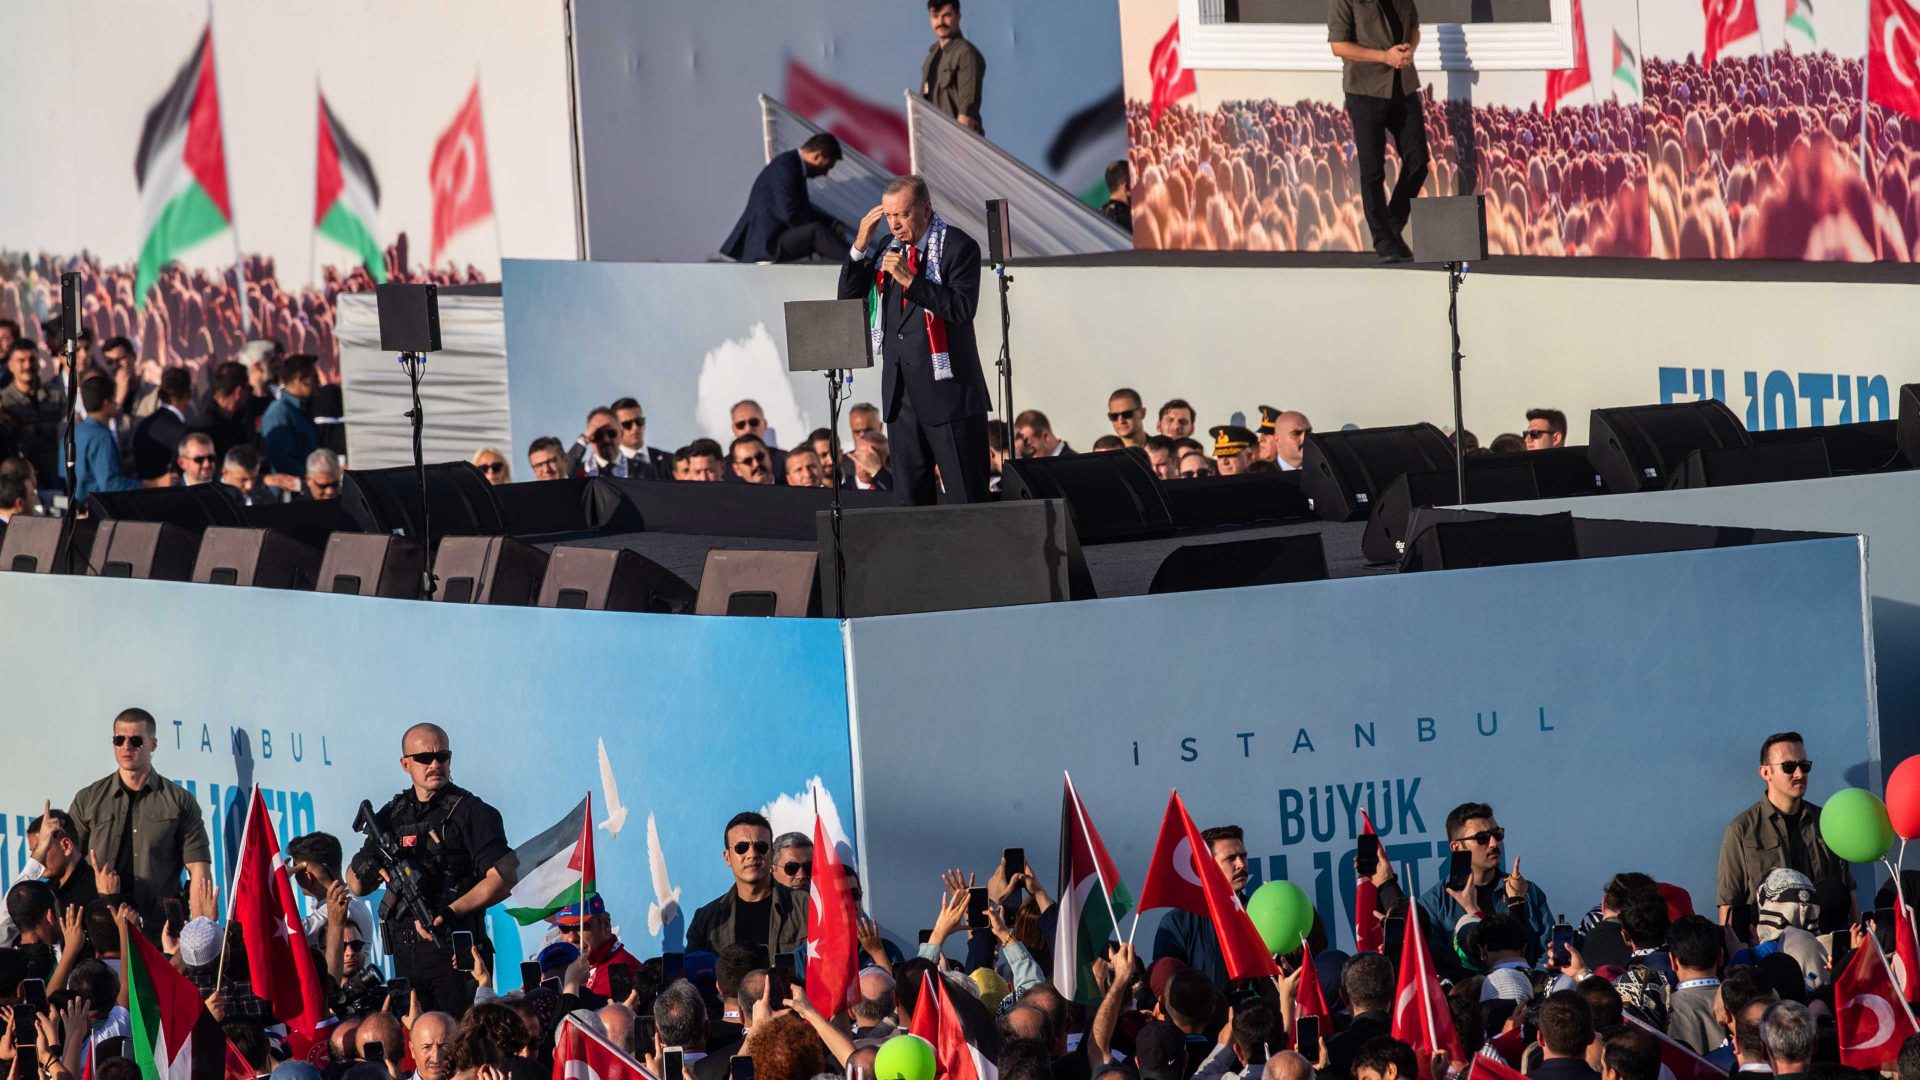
[
  {"x": 156, "y": 439},
  {"x": 641, "y": 459},
  {"x": 923, "y": 287},
  {"x": 779, "y": 223}
]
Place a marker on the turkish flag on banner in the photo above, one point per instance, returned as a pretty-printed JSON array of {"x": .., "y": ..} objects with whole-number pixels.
[
  {"x": 579, "y": 1052},
  {"x": 1420, "y": 1015},
  {"x": 462, "y": 194},
  {"x": 1172, "y": 80},
  {"x": 1727, "y": 21},
  {"x": 874, "y": 130},
  {"x": 1893, "y": 55},
  {"x": 1183, "y": 875},
  {"x": 832, "y": 928},
  {"x": 1873, "y": 1019},
  {"x": 279, "y": 964},
  {"x": 1368, "y": 934},
  {"x": 1562, "y": 83}
]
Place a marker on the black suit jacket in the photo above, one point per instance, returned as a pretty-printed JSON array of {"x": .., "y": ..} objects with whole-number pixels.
[
  {"x": 907, "y": 362},
  {"x": 1563, "y": 1069},
  {"x": 777, "y": 202},
  {"x": 156, "y": 443},
  {"x": 1342, "y": 1048}
]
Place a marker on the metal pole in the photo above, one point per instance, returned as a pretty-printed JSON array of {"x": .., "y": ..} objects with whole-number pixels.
[
  {"x": 1005, "y": 363},
  {"x": 1454, "y": 272}
]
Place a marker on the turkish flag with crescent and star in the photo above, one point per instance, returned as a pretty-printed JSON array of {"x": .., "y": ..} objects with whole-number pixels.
[
  {"x": 462, "y": 194},
  {"x": 1874, "y": 1022},
  {"x": 1183, "y": 875},
  {"x": 279, "y": 964},
  {"x": 1727, "y": 21},
  {"x": 1172, "y": 79},
  {"x": 1893, "y": 55},
  {"x": 874, "y": 130},
  {"x": 1421, "y": 1018}
]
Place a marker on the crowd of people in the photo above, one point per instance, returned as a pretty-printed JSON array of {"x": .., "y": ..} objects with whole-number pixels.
[{"x": 1602, "y": 990}]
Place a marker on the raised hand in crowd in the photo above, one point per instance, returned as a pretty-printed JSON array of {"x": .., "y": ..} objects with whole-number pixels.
[{"x": 105, "y": 878}]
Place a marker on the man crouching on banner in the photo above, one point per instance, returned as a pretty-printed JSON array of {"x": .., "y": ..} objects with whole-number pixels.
[
  {"x": 922, "y": 288},
  {"x": 458, "y": 846}
]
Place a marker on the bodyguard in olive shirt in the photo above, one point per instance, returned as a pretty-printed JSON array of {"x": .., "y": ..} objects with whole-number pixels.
[
  {"x": 1782, "y": 830},
  {"x": 141, "y": 824},
  {"x": 1375, "y": 40}
]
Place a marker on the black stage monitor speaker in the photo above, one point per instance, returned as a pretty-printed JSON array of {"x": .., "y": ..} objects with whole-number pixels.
[
  {"x": 367, "y": 564},
  {"x": 945, "y": 558},
  {"x": 1868, "y": 447},
  {"x": 999, "y": 232},
  {"x": 533, "y": 507},
  {"x": 827, "y": 335},
  {"x": 309, "y": 521},
  {"x": 1450, "y": 228},
  {"x": 782, "y": 583},
  {"x": 1345, "y": 472},
  {"x": 143, "y": 549},
  {"x": 388, "y": 500},
  {"x": 612, "y": 579},
  {"x": 190, "y": 508},
  {"x": 266, "y": 558},
  {"x": 1113, "y": 495},
  {"x": 1727, "y": 466},
  {"x": 1496, "y": 540},
  {"x": 1908, "y": 427},
  {"x": 1207, "y": 502},
  {"x": 1638, "y": 447},
  {"x": 38, "y": 545},
  {"x": 409, "y": 317},
  {"x": 1384, "y": 540},
  {"x": 1232, "y": 564},
  {"x": 489, "y": 570}
]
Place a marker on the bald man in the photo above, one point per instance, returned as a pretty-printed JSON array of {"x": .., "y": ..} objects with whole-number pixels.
[
  {"x": 618, "y": 1020},
  {"x": 432, "y": 1046},
  {"x": 382, "y": 1028},
  {"x": 458, "y": 846}
]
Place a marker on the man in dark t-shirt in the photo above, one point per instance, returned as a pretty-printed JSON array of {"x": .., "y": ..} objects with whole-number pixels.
[{"x": 757, "y": 911}]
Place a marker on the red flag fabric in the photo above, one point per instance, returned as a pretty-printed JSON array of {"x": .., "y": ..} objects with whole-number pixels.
[
  {"x": 1727, "y": 21},
  {"x": 1368, "y": 933},
  {"x": 1679, "y": 1058},
  {"x": 874, "y": 130},
  {"x": 578, "y": 1052},
  {"x": 1486, "y": 1068},
  {"x": 1893, "y": 55},
  {"x": 1308, "y": 999},
  {"x": 462, "y": 194},
  {"x": 279, "y": 964},
  {"x": 1874, "y": 1021},
  {"x": 1906, "y": 951},
  {"x": 1562, "y": 83},
  {"x": 1171, "y": 78},
  {"x": 935, "y": 1020},
  {"x": 1420, "y": 1015},
  {"x": 1183, "y": 875},
  {"x": 832, "y": 928}
]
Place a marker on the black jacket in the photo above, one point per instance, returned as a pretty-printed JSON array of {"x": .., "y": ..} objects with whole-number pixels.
[
  {"x": 1342, "y": 1048},
  {"x": 1563, "y": 1069},
  {"x": 908, "y": 362},
  {"x": 712, "y": 927},
  {"x": 777, "y": 202},
  {"x": 156, "y": 443}
]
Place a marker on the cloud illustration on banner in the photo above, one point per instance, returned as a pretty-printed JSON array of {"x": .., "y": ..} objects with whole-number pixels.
[
  {"x": 750, "y": 367},
  {"x": 794, "y": 813}
]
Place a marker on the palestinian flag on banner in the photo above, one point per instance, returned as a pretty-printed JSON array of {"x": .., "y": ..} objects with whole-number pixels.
[
  {"x": 346, "y": 201},
  {"x": 181, "y": 168},
  {"x": 173, "y": 1033},
  {"x": 1800, "y": 17},
  {"x": 1092, "y": 900},
  {"x": 1626, "y": 66},
  {"x": 555, "y": 868},
  {"x": 1086, "y": 144}
]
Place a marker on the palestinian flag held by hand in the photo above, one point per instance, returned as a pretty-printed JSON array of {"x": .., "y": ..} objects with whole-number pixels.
[
  {"x": 346, "y": 200},
  {"x": 1092, "y": 900},
  {"x": 1800, "y": 18},
  {"x": 555, "y": 868},
  {"x": 181, "y": 168},
  {"x": 1626, "y": 66},
  {"x": 173, "y": 1035}
]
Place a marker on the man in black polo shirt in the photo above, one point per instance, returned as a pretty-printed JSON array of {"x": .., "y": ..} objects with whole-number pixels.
[
  {"x": 458, "y": 845},
  {"x": 1375, "y": 40}
]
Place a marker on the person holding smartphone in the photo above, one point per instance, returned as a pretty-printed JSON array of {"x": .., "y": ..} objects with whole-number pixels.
[
  {"x": 1488, "y": 887},
  {"x": 459, "y": 846}
]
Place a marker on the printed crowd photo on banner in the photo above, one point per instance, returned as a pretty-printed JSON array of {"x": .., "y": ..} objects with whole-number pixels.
[{"x": 1725, "y": 130}]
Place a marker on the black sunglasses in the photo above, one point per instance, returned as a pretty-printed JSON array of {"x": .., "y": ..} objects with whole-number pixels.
[
  {"x": 1792, "y": 767},
  {"x": 1116, "y": 417},
  {"x": 751, "y": 421},
  {"x": 431, "y": 757},
  {"x": 1534, "y": 433},
  {"x": 793, "y": 868},
  {"x": 135, "y": 741},
  {"x": 759, "y": 847},
  {"x": 635, "y": 423},
  {"x": 605, "y": 433},
  {"x": 492, "y": 467},
  {"x": 1484, "y": 835},
  {"x": 202, "y": 459}
]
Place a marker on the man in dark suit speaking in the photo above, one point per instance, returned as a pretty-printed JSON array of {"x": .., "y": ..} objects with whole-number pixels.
[
  {"x": 922, "y": 287},
  {"x": 780, "y": 223}
]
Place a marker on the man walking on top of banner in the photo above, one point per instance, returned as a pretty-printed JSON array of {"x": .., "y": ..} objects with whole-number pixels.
[
  {"x": 922, "y": 287},
  {"x": 1375, "y": 40}
]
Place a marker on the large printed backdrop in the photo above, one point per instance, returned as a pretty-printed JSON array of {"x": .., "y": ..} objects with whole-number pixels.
[{"x": 1654, "y": 154}]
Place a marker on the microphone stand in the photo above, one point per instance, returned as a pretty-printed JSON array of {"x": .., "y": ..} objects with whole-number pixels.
[
  {"x": 837, "y": 380},
  {"x": 1455, "y": 272},
  {"x": 1005, "y": 361},
  {"x": 414, "y": 364}
]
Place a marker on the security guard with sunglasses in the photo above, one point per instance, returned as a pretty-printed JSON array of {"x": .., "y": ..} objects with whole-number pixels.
[
  {"x": 757, "y": 911},
  {"x": 457, "y": 844}
]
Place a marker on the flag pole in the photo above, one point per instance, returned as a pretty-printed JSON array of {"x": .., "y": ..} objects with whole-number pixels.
[
  {"x": 246, "y": 827},
  {"x": 313, "y": 236},
  {"x": 1086, "y": 835},
  {"x": 493, "y": 209},
  {"x": 1419, "y": 963}
]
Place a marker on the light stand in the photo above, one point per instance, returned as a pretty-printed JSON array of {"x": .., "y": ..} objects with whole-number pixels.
[
  {"x": 1455, "y": 272},
  {"x": 1452, "y": 230},
  {"x": 839, "y": 381},
  {"x": 415, "y": 365},
  {"x": 1005, "y": 362}
]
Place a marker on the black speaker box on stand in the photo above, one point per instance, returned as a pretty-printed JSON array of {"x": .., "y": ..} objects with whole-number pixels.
[
  {"x": 1112, "y": 496},
  {"x": 148, "y": 550},
  {"x": 946, "y": 558},
  {"x": 1907, "y": 428},
  {"x": 763, "y": 583},
  {"x": 369, "y": 564},
  {"x": 1208, "y": 502},
  {"x": 1727, "y": 466},
  {"x": 409, "y": 317},
  {"x": 39, "y": 545},
  {"x": 191, "y": 508},
  {"x": 1345, "y": 472},
  {"x": 1233, "y": 564},
  {"x": 1639, "y": 447},
  {"x": 612, "y": 579},
  {"x": 265, "y": 558},
  {"x": 1495, "y": 540},
  {"x": 388, "y": 500},
  {"x": 489, "y": 570}
]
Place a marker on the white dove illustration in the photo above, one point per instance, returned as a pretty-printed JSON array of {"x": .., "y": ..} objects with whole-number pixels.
[
  {"x": 666, "y": 907},
  {"x": 609, "y": 787}
]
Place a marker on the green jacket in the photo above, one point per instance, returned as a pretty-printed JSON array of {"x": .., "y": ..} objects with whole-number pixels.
[{"x": 168, "y": 834}]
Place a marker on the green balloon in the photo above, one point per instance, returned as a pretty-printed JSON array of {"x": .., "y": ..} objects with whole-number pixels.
[
  {"x": 1282, "y": 913},
  {"x": 904, "y": 1057},
  {"x": 1854, "y": 824}
]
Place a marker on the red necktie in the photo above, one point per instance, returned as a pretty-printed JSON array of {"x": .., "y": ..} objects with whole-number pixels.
[{"x": 910, "y": 270}]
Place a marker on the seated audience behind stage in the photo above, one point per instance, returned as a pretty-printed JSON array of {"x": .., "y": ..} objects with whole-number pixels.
[
  {"x": 323, "y": 474},
  {"x": 1546, "y": 429},
  {"x": 547, "y": 458},
  {"x": 493, "y": 465}
]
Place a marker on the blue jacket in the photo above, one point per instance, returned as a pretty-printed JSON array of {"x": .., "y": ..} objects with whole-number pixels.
[
  {"x": 97, "y": 461},
  {"x": 777, "y": 202},
  {"x": 1443, "y": 914},
  {"x": 288, "y": 435}
]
